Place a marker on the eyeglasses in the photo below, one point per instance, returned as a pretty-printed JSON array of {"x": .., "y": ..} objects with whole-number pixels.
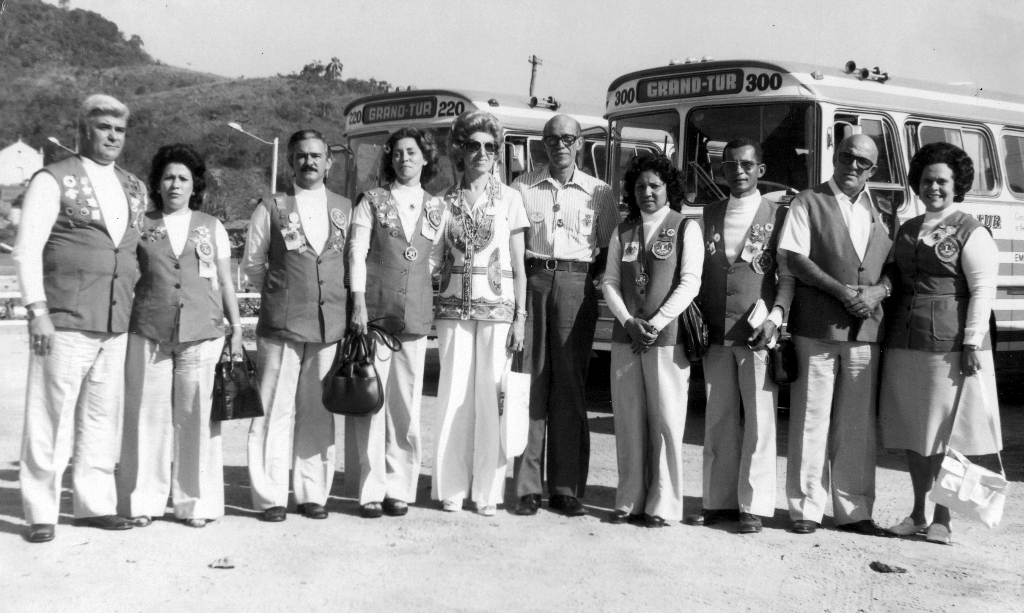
[
  {"x": 553, "y": 140},
  {"x": 848, "y": 159},
  {"x": 474, "y": 146},
  {"x": 746, "y": 165}
]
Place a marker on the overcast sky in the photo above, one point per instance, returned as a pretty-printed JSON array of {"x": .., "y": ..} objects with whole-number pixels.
[{"x": 584, "y": 45}]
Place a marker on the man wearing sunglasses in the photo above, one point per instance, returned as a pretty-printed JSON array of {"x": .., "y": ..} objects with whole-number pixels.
[
  {"x": 836, "y": 246},
  {"x": 572, "y": 216},
  {"x": 741, "y": 235}
]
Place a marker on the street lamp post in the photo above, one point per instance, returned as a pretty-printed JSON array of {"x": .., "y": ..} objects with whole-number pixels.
[
  {"x": 273, "y": 164},
  {"x": 53, "y": 139}
]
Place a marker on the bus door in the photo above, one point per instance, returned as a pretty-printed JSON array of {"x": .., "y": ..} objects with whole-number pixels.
[
  {"x": 1013, "y": 261},
  {"x": 887, "y": 186}
]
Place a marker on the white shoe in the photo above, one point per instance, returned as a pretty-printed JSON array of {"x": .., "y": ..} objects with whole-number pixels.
[
  {"x": 937, "y": 533},
  {"x": 907, "y": 527},
  {"x": 487, "y": 511},
  {"x": 452, "y": 506}
]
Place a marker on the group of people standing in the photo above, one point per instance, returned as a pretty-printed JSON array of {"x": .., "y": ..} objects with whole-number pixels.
[{"x": 110, "y": 280}]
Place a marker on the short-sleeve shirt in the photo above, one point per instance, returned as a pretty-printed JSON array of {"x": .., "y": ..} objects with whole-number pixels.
[
  {"x": 567, "y": 222},
  {"x": 796, "y": 234}
]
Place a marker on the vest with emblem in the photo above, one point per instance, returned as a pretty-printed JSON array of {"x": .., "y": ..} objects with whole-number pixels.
[
  {"x": 729, "y": 290},
  {"x": 173, "y": 304},
  {"x": 476, "y": 275},
  {"x": 398, "y": 280},
  {"x": 928, "y": 310},
  {"x": 304, "y": 298},
  {"x": 643, "y": 301},
  {"x": 88, "y": 279},
  {"x": 815, "y": 314}
]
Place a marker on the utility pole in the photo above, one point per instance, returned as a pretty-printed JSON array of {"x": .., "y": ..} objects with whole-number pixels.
[{"x": 534, "y": 61}]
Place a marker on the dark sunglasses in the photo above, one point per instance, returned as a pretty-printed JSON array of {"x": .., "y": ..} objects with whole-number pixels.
[
  {"x": 553, "y": 140},
  {"x": 747, "y": 166},
  {"x": 848, "y": 159},
  {"x": 474, "y": 146}
]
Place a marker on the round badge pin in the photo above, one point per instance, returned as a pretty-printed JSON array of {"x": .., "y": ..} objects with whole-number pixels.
[
  {"x": 642, "y": 279},
  {"x": 69, "y": 181},
  {"x": 670, "y": 232},
  {"x": 411, "y": 253},
  {"x": 947, "y": 250},
  {"x": 70, "y": 212},
  {"x": 394, "y": 233},
  {"x": 293, "y": 217}
]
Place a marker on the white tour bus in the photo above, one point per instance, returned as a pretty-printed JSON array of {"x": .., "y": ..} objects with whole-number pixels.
[{"x": 799, "y": 113}]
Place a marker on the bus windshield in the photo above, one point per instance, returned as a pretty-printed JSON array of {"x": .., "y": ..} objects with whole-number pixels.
[{"x": 785, "y": 131}]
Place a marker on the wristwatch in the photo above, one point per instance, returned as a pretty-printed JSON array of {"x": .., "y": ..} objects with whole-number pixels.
[{"x": 34, "y": 312}]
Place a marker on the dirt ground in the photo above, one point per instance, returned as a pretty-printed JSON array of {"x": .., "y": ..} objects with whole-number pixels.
[{"x": 435, "y": 561}]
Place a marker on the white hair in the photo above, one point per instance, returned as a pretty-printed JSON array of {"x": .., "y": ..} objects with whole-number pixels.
[{"x": 98, "y": 105}]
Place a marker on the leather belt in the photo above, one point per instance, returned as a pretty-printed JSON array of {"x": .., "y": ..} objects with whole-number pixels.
[
  {"x": 478, "y": 270},
  {"x": 559, "y": 265}
]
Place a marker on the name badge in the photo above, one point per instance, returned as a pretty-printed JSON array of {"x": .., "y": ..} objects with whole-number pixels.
[
  {"x": 630, "y": 251},
  {"x": 293, "y": 239},
  {"x": 537, "y": 216}
]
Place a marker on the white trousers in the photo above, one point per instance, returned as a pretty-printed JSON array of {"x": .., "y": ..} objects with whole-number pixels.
[
  {"x": 649, "y": 398},
  {"x": 296, "y": 430},
  {"x": 832, "y": 430},
  {"x": 74, "y": 396},
  {"x": 388, "y": 442},
  {"x": 169, "y": 445},
  {"x": 739, "y": 458},
  {"x": 470, "y": 460}
]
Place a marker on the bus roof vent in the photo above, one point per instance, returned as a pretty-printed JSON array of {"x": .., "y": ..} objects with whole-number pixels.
[
  {"x": 548, "y": 103},
  {"x": 707, "y": 58},
  {"x": 867, "y": 74},
  {"x": 675, "y": 62},
  {"x": 691, "y": 60}
]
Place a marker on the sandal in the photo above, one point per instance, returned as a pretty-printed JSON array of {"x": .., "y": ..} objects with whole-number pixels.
[
  {"x": 907, "y": 527},
  {"x": 939, "y": 534},
  {"x": 194, "y": 523},
  {"x": 141, "y": 521}
]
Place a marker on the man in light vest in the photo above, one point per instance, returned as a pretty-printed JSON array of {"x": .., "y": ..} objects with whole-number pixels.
[
  {"x": 81, "y": 225},
  {"x": 836, "y": 244},
  {"x": 295, "y": 252}
]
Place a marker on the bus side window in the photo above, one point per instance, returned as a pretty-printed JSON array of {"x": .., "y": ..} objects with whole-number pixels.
[
  {"x": 972, "y": 140},
  {"x": 1014, "y": 161},
  {"x": 886, "y": 186}
]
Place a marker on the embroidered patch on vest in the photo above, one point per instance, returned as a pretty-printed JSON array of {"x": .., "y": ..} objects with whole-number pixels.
[
  {"x": 662, "y": 249},
  {"x": 947, "y": 250}
]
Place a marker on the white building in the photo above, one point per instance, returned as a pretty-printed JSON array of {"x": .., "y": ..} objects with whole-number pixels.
[{"x": 18, "y": 163}]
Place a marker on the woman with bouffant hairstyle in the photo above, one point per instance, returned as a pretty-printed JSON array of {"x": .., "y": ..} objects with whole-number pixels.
[{"x": 185, "y": 291}]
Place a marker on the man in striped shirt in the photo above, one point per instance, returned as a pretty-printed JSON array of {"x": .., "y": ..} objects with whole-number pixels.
[{"x": 572, "y": 216}]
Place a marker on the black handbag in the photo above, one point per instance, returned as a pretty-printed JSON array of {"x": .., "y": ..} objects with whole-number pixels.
[
  {"x": 352, "y": 386},
  {"x": 236, "y": 390},
  {"x": 694, "y": 333},
  {"x": 782, "y": 364}
]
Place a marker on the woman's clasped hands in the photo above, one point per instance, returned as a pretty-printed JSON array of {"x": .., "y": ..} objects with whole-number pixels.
[{"x": 641, "y": 334}]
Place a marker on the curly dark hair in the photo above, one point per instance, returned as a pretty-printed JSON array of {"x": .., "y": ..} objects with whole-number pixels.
[
  {"x": 943, "y": 153},
  {"x": 470, "y": 123},
  {"x": 424, "y": 140},
  {"x": 661, "y": 166},
  {"x": 185, "y": 155}
]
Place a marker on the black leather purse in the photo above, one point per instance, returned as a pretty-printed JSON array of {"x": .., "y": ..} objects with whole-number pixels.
[
  {"x": 694, "y": 333},
  {"x": 236, "y": 390},
  {"x": 352, "y": 386},
  {"x": 782, "y": 364}
]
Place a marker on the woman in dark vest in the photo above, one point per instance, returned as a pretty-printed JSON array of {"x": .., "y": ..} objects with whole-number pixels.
[
  {"x": 654, "y": 266},
  {"x": 169, "y": 445},
  {"x": 938, "y": 351},
  {"x": 393, "y": 230}
]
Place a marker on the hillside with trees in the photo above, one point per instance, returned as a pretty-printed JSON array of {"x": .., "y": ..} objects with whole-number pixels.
[{"x": 52, "y": 57}]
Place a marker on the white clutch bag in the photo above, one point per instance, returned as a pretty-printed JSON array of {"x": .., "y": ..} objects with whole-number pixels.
[{"x": 514, "y": 409}]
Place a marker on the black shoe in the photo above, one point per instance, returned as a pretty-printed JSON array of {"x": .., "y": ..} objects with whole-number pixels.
[
  {"x": 313, "y": 510},
  {"x": 710, "y": 517},
  {"x": 653, "y": 521},
  {"x": 570, "y": 506},
  {"x": 528, "y": 504},
  {"x": 275, "y": 514},
  {"x": 804, "y": 526},
  {"x": 394, "y": 507},
  {"x": 867, "y": 527},
  {"x": 618, "y": 517},
  {"x": 749, "y": 524},
  {"x": 371, "y": 510},
  {"x": 106, "y": 522},
  {"x": 40, "y": 533}
]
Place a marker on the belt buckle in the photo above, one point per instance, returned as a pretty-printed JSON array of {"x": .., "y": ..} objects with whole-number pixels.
[{"x": 551, "y": 265}]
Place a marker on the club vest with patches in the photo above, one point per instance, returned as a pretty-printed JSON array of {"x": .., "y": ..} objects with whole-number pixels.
[
  {"x": 816, "y": 314},
  {"x": 304, "y": 296},
  {"x": 398, "y": 280},
  {"x": 643, "y": 301},
  {"x": 173, "y": 303},
  {"x": 476, "y": 273},
  {"x": 729, "y": 290},
  {"x": 928, "y": 311},
  {"x": 88, "y": 279}
]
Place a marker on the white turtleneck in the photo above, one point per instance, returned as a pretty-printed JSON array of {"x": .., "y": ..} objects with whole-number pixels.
[{"x": 739, "y": 216}]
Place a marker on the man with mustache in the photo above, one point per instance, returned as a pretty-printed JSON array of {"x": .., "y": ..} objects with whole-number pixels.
[
  {"x": 836, "y": 246},
  {"x": 572, "y": 216},
  {"x": 81, "y": 226},
  {"x": 295, "y": 253}
]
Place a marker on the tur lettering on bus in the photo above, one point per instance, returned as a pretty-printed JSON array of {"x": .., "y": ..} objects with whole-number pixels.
[{"x": 685, "y": 86}]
